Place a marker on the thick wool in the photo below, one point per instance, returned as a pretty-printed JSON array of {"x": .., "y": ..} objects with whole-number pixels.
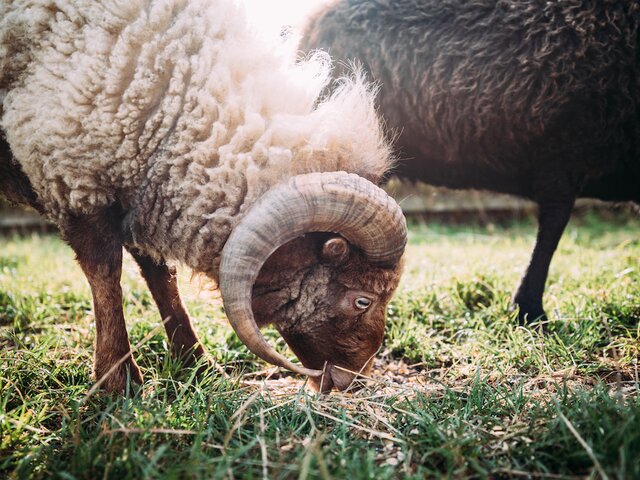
[
  {"x": 175, "y": 109},
  {"x": 535, "y": 98}
]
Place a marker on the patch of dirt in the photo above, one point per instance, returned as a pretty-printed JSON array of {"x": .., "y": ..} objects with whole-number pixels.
[{"x": 397, "y": 378}]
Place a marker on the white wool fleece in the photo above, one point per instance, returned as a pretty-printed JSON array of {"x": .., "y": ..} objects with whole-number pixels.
[{"x": 176, "y": 109}]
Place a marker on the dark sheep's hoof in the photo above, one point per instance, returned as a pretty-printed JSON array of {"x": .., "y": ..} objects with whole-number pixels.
[{"x": 530, "y": 314}]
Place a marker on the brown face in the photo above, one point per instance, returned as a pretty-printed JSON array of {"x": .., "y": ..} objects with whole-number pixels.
[{"x": 329, "y": 304}]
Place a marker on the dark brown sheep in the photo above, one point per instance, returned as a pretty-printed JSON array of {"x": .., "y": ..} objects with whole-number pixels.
[{"x": 531, "y": 98}]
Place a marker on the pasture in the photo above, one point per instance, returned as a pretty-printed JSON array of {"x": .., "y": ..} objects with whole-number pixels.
[{"x": 459, "y": 390}]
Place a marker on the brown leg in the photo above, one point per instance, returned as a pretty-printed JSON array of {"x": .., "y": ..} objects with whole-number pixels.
[
  {"x": 97, "y": 244},
  {"x": 163, "y": 285}
]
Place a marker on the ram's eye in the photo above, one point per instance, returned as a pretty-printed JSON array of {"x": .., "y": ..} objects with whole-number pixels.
[{"x": 362, "y": 303}]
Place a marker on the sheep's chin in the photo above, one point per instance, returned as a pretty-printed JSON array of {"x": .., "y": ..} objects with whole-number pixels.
[{"x": 333, "y": 377}]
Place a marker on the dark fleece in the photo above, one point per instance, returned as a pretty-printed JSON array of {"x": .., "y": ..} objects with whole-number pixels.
[{"x": 538, "y": 99}]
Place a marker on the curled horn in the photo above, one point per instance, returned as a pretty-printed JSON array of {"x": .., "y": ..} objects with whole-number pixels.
[{"x": 335, "y": 202}]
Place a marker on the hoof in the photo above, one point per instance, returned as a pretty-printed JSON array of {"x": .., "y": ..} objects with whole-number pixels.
[
  {"x": 188, "y": 355},
  {"x": 529, "y": 313},
  {"x": 192, "y": 356},
  {"x": 124, "y": 379}
]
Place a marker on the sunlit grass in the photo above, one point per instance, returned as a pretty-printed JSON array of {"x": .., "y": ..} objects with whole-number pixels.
[{"x": 460, "y": 390}]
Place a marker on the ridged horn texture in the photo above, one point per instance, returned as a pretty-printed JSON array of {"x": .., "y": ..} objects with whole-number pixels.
[{"x": 337, "y": 202}]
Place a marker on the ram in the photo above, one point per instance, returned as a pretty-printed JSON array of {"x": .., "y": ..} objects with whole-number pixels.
[
  {"x": 168, "y": 128},
  {"x": 532, "y": 98}
]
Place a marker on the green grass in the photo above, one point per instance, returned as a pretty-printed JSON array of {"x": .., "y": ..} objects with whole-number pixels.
[{"x": 460, "y": 391}]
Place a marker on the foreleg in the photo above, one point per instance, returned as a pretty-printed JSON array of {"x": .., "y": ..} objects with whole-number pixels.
[
  {"x": 163, "y": 285},
  {"x": 97, "y": 243},
  {"x": 552, "y": 220}
]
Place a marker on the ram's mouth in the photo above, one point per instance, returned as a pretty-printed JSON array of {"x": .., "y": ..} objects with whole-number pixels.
[{"x": 334, "y": 377}]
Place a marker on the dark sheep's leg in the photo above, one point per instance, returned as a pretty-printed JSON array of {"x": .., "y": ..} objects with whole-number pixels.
[
  {"x": 552, "y": 220},
  {"x": 97, "y": 244},
  {"x": 163, "y": 285}
]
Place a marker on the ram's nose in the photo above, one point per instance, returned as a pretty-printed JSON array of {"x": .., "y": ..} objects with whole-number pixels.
[
  {"x": 334, "y": 377},
  {"x": 323, "y": 383},
  {"x": 343, "y": 379}
]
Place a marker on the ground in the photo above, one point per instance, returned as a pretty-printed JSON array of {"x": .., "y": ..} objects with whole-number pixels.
[{"x": 459, "y": 390}]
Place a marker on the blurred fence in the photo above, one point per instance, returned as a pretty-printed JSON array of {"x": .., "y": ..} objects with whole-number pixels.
[
  {"x": 16, "y": 220},
  {"x": 426, "y": 201},
  {"x": 418, "y": 201},
  {"x": 421, "y": 201}
]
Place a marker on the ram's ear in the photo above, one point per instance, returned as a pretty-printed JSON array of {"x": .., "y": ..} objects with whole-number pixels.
[{"x": 335, "y": 250}]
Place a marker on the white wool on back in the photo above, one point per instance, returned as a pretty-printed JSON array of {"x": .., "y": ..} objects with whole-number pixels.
[{"x": 176, "y": 109}]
